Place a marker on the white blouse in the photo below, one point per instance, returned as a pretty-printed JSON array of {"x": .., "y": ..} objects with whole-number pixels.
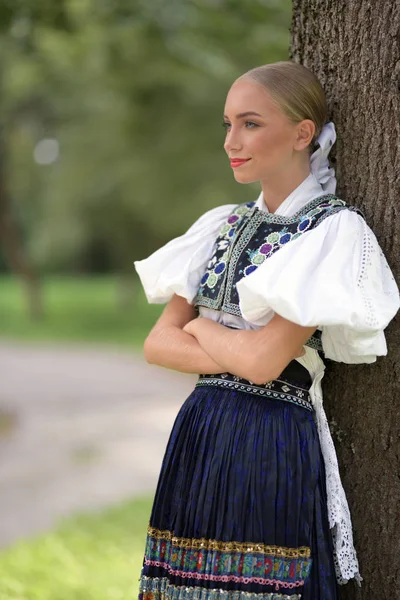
[{"x": 334, "y": 277}]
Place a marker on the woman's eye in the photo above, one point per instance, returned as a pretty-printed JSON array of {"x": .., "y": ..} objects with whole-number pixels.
[{"x": 247, "y": 124}]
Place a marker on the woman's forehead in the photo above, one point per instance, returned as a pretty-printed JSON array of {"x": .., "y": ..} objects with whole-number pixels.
[{"x": 247, "y": 95}]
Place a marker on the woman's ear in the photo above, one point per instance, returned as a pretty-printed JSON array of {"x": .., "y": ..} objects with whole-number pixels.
[{"x": 305, "y": 132}]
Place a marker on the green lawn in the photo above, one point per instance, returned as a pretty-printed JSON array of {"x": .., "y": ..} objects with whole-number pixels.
[
  {"x": 91, "y": 557},
  {"x": 98, "y": 556},
  {"x": 77, "y": 309}
]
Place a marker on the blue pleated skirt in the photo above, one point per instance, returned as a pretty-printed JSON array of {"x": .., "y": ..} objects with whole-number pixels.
[{"x": 240, "y": 507}]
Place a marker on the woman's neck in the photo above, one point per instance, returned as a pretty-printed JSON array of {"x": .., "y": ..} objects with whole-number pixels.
[{"x": 280, "y": 185}]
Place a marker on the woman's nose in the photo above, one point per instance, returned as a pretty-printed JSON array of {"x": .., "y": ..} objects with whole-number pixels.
[{"x": 232, "y": 142}]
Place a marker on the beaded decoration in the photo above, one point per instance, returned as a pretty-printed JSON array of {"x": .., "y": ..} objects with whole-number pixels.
[
  {"x": 232, "y": 546},
  {"x": 227, "y": 234},
  {"x": 204, "y": 560},
  {"x": 160, "y": 588}
]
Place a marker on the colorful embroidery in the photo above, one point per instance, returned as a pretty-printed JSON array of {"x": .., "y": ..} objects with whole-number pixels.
[
  {"x": 233, "y": 546},
  {"x": 200, "y": 560},
  {"x": 159, "y": 588},
  {"x": 227, "y": 234},
  {"x": 277, "y": 389},
  {"x": 250, "y": 237}
]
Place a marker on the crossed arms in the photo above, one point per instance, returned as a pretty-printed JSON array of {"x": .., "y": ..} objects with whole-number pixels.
[{"x": 188, "y": 344}]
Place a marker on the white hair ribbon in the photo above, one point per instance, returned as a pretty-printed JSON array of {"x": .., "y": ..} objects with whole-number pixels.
[{"x": 319, "y": 163}]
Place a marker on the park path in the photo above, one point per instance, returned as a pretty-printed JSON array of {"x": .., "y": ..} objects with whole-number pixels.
[{"x": 80, "y": 428}]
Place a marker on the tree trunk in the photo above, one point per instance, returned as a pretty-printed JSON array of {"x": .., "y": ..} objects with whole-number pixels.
[
  {"x": 11, "y": 243},
  {"x": 353, "y": 47}
]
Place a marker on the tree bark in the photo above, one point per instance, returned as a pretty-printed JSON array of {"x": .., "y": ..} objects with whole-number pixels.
[{"x": 354, "y": 49}]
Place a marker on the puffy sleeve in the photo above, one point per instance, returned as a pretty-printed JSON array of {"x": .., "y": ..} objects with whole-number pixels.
[
  {"x": 334, "y": 277},
  {"x": 177, "y": 267}
]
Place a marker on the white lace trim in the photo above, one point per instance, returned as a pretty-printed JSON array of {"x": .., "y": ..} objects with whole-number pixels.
[
  {"x": 374, "y": 274},
  {"x": 345, "y": 556}
]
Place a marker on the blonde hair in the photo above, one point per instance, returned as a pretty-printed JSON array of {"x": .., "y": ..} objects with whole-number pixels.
[{"x": 296, "y": 90}]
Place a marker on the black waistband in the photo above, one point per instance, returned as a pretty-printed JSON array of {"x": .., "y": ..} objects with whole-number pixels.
[
  {"x": 293, "y": 385},
  {"x": 297, "y": 374}
]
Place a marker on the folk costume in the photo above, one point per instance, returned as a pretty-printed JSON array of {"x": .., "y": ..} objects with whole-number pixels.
[{"x": 249, "y": 503}]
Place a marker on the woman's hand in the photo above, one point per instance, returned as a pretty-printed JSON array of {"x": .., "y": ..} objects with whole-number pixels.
[
  {"x": 193, "y": 326},
  {"x": 189, "y": 327}
]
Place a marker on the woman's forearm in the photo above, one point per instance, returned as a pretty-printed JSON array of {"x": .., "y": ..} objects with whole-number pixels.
[
  {"x": 259, "y": 356},
  {"x": 173, "y": 348},
  {"x": 231, "y": 348}
]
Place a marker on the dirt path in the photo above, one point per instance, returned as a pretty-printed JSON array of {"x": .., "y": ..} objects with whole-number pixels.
[{"x": 80, "y": 428}]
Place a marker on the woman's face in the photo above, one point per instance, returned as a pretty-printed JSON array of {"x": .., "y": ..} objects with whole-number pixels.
[{"x": 260, "y": 139}]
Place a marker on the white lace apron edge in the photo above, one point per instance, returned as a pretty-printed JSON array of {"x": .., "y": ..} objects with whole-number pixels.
[
  {"x": 345, "y": 555},
  {"x": 344, "y": 573},
  {"x": 344, "y": 552}
]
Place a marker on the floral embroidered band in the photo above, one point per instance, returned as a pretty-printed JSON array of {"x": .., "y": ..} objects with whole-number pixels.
[{"x": 178, "y": 561}]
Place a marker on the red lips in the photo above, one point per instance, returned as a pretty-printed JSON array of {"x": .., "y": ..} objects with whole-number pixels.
[{"x": 238, "y": 162}]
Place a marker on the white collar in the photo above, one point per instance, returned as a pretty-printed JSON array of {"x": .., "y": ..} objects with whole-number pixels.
[{"x": 308, "y": 189}]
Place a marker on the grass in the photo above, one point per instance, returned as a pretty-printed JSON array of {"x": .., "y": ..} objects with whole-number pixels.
[
  {"x": 90, "y": 557},
  {"x": 78, "y": 309}
]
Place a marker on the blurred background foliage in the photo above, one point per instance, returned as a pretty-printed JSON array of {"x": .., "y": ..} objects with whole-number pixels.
[
  {"x": 110, "y": 145},
  {"x": 110, "y": 122}
]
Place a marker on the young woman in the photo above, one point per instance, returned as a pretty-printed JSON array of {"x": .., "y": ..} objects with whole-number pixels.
[{"x": 249, "y": 504}]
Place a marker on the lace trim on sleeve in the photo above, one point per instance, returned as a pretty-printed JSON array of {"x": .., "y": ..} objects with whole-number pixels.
[{"x": 374, "y": 274}]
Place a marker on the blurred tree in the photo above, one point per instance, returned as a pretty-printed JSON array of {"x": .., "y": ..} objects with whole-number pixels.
[
  {"x": 351, "y": 48},
  {"x": 133, "y": 94},
  {"x": 12, "y": 17}
]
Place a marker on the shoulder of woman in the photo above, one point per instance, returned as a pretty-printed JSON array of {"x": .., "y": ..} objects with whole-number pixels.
[{"x": 214, "y": 215}]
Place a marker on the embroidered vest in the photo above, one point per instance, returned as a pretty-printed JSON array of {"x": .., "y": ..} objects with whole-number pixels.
[{"x": 247, "y": 239}]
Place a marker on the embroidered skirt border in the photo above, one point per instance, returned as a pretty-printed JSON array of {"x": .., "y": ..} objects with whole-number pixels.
[
  {"x": 159, "y": 588},
  {"x": 219, "y": 561}
]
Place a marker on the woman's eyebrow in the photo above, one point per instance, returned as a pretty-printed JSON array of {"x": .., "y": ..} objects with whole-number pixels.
[{"x": 246, "y": 114}]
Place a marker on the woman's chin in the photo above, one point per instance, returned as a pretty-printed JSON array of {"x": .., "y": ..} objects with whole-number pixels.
[{"x": 245, "y": 178}]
